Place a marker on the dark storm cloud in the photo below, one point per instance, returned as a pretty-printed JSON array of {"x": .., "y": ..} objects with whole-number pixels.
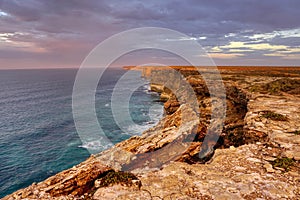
[
  {"x": 64, "y": 27},
  {"x": 33, "y": 10},
  {"x": 138, "y": 12},
  {"x": 261, "y": 14},
  {"x": 22, "y": 10},
  {"x": 291, "y": 41},
  {"x": 205, "y": 16}
]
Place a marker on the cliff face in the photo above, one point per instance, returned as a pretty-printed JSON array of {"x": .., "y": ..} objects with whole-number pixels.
[{"x": 256, "y": 156}]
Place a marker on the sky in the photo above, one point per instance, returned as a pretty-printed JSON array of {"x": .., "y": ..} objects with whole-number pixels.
[{"x": 61, "y": 33}]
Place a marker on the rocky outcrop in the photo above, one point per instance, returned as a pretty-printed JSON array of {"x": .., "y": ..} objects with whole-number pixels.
[
  {"x": 236, "y": 103},
  {"x": 75, "y": 182},
  {"x": 234, "y": 173},
  {"x": 280, "y": 132},
  {"x": 256, "y": 156}
]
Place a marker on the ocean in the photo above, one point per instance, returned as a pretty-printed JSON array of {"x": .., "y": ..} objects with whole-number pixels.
[{"x": 38, "y": 137}]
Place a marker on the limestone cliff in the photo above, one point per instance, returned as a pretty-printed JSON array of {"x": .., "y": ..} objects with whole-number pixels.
[{"x": 256, "y": 157}]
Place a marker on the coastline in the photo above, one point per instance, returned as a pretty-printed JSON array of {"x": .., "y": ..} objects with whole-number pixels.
[{"x": 249, "y": 144}]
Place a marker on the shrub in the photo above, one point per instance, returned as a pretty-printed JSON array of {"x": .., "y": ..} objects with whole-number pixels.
[
  {"x": 276, "y": 87},
  {"x": 113, "y": 177},
  {"x": 273, "y": 116},
  {"x": 284, "y": 163},
  {"x": 295, "y": 132}
]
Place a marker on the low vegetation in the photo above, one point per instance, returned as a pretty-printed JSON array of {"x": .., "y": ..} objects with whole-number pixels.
[
  {"x": 276, "y": 87},
  {"x": 273, "y": 116},
  {"x": 284, "y": 163},
  {"x": 113, "y": 177},
  {"x": 296, "y": 132}
]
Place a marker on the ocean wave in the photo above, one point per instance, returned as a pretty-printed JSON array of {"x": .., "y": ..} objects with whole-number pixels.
[
  {"x": 136, "y": 129},
  {"x": 96, "y": 146},
  {"x": 146, "y": 87}
]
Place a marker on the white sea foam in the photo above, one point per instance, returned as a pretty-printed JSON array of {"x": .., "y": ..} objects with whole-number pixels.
[
  {"x": 137, "y": 129},
  {"x": 155, "y": 114},
  {"x": 95, "y": 146},
  {"x": 146, "y": 87}
]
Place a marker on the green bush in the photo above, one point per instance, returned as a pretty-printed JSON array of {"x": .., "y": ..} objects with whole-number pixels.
[
  {"x": 284, "y": 163},
  {"x": 277, "y": 87},
  {"x": 273, "y": 116},
  {"x": 296, "y": 132},
  {"x": 113, "y": 177}
]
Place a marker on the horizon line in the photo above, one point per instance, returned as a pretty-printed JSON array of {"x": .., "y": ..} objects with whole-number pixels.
[{"x": 45, "y": 68}]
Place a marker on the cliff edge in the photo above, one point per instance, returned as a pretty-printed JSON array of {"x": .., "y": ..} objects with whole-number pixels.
[{"x": 257, "y": 155}]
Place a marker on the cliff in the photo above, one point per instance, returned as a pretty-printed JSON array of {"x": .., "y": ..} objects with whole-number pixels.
[{"x": 256, "y": 156}]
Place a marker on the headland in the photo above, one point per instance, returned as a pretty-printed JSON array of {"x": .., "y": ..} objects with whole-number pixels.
[{"x": 256, "y": 156}]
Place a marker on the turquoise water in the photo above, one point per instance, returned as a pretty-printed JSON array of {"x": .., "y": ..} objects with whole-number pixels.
[{"x": 37, "y": 132}]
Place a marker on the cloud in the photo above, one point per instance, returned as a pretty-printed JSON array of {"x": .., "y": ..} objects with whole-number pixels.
[
  {"x": 240, "y": 50},
  {"x": 3, "y": 13},
  {"x": 69, "y": 29},
  {"x": 259, "y": 46},
  {"x": 22, "y": 10},
  {"x": 290, "y": 33},
  {"x": 225, "y": 56},
  {"x": 186, "y": 39}
]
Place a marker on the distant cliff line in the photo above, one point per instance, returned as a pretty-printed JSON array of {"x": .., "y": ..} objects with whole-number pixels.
[{"x": 146, "y": 70}]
